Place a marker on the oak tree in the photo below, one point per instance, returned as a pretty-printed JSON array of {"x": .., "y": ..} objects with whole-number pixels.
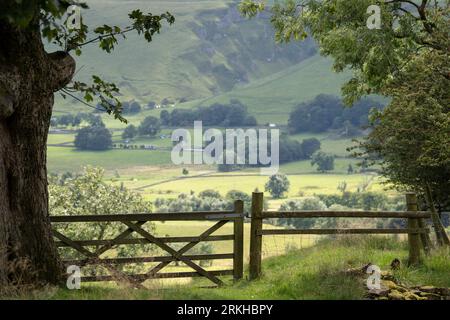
[{"x": 29, "y": 78}]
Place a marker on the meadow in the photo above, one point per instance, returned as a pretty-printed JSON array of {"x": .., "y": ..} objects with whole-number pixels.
[
  {"x": 317, "y": 272},
  {"x": 151, "y": 173}
]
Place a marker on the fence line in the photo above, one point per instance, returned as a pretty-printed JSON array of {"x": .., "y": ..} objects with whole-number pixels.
[
  {"x": 418, "y": 234},
  {"x": 418, "y": 237}
]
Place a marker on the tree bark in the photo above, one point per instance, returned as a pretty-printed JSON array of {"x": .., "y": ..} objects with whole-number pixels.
[
  {"x": 29, "y": 76},
  {"x": 441, "y": 235}
]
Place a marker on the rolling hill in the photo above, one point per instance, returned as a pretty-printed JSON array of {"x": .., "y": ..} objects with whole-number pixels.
[{"x": 210, "y": 54}]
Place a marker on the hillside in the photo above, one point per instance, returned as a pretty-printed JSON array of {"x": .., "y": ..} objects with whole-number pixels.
[{"x": 210, "y": 51}]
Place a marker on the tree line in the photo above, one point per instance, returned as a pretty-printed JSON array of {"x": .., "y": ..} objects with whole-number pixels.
[
  {"x": 327, "y": 112},
  {"x": 290, "y": 150},
  {"x": 74, "y": 120},
  {"x": 233, "y": 114}
]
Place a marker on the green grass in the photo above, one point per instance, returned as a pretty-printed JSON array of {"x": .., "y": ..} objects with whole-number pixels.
[
  {"x": 272, "y": 98},
  {"x": 61, "y": 159},
  {"x": 61, "y": 139},
  {"x": 305, "y": 167},
  {"x": 316, "y": 272},
  {"x": 308, "y": 184}
]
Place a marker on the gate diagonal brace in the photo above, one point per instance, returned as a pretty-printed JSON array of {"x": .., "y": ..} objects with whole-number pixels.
[
  {"x": 189, "y": 246},
  {"x": 178, "y": 254},
  {"x": 95, "y": 256}
]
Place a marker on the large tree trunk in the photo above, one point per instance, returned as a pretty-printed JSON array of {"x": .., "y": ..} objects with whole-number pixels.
[{"x": 28, "y": 79}]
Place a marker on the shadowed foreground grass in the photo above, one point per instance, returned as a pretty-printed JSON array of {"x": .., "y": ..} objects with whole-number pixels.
[
  {"x": 312, "y": 273},
  {"x": 318, "y": 272}
]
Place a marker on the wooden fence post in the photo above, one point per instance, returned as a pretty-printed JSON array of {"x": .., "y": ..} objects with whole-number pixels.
[
  {"x": 255, "y": 235},
  {"x": 413, "y": 238},
  {"x": 238, "y": 243}
]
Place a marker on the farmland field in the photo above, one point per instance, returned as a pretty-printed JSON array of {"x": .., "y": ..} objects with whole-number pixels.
[
  {"x": 151, "y": 173},
  {"x": 61, "y": 159}
]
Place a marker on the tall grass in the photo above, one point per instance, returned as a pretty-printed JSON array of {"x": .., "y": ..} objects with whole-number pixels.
[{"x": 317, "y": 272}]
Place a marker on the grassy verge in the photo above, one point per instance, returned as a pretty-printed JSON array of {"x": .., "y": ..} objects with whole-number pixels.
[
  {"x": 318, "y": 272},
  {"x": 312, "y": 273}
]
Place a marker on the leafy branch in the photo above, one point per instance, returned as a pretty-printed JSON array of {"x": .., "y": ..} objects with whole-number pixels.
[
  {"x": 105, "y": 91},
  {"x": 54, "y": 29}
]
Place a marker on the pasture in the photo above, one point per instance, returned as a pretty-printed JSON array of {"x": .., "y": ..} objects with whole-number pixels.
[{"x": 301, "y": 184}]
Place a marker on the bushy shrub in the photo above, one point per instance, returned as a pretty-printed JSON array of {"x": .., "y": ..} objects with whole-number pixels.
[
  {"x": 277, "y": 185},
  {"x": 308, "y": 204},
  {"x": 94, "y": 137},
  {"x": 207, "y": 200},
  {"x": 87, "y": 194}
]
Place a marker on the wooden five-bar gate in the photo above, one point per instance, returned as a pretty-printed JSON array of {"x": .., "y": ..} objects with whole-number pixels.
[{"x": 135, "y": 224}]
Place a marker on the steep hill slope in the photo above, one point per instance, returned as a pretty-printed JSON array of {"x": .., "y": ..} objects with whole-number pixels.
[{"x": 209, "y": 50}]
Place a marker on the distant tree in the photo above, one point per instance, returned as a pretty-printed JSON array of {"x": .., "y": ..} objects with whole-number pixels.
[
  {"x": 251, "y": 121},
  {"x": 316, "y": 115},
  {"x": 130, "y": 132},
  {"x": 350, "y": 169},
  {"x": 77, "y": 119},
  {"x": 277, "y": 185},
  {"x": 238, "y": 195},
  {"x": 53, "y": 122},
  {"x": 342, "y": 186},
  {"x": 131, "y": 107},
  {"x": 151, "y": 105},
  {"x": 372, "y": 200},
  {"x": 328, "y": 112},
  {"x": 229, "y": 115},
  {"x": 308, "y": 204},
  {"x": 234, "y": 195},
  {"x": 324, "y": 161},
  {"x": 290, "y": 150},
  {"x": 135, "y": 107},
  {"x": 95, "y": 120},
  {"x": 236, "y": 113},
  {"x": 93, "y": 138},
  {"x": 166, "y": 102},
  {"x": 164, "y": 116},
  {"x": 150, "y": 126},
  {"x": 125, "y": 106},
  {"x": 183, "y": 117},
  {"x": 209, "y": 193},
  {"x": 66, "y": 120},
  {"x": 309, "y": 146}
]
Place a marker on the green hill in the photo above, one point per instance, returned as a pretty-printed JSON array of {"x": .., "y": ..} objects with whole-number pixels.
[
  {"x": 272, "y": 98},
  {"x": 210, "y": 51}
]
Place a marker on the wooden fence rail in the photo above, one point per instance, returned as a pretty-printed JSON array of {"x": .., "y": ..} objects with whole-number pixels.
[
  {"x": 417, "y": 233},
  {"x": 135, "y": 224}
]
